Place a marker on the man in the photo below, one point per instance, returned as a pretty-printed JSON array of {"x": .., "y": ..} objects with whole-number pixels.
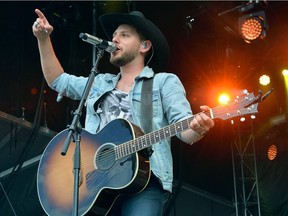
[{"x": 141, "y": 51}]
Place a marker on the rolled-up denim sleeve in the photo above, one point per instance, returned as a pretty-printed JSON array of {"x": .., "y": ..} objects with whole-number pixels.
[{"x": 69, "y": 85}]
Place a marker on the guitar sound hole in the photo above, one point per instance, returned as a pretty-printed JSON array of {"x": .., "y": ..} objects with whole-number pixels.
[{"x": 105, "y": 157}]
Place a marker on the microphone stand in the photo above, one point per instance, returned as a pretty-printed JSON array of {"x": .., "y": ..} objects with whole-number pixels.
[{"x": 75, "y": 129}]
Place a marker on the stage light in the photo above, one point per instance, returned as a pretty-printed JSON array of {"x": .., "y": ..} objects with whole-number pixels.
[
  {"x": 224, "y": 98},
  {"x": 285, "y": 72},
  {"x": 189, "y": 22},
  {"x": 33, "y": 91},
  {"x": 272, "y": 152},
  {"x": 253, "y": 26},
  {"x": 264, "y": 80}
]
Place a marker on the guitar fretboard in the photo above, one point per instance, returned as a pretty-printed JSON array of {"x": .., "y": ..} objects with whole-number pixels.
[{"x": 151, "y": 138}]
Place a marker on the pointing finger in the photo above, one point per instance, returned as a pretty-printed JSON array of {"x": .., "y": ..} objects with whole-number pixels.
[{"x": 40, "y": 14}]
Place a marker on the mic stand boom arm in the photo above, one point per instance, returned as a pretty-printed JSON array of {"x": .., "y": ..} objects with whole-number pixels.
[{"x": 75, "y": 130}]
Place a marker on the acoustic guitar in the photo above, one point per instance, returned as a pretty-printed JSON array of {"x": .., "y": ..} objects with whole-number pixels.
[{"x": 111, "y": 162}]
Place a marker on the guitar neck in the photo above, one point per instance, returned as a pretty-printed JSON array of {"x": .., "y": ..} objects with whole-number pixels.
[
  {"x": 246, "y": 104},
  {"x": 154, "y": 137}
]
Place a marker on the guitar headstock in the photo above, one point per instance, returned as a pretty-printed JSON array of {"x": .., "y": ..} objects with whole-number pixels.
[{"x": 242, "y": 105}]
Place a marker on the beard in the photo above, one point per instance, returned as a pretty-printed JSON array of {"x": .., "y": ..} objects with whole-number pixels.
[{"x": 123, "y": 59}]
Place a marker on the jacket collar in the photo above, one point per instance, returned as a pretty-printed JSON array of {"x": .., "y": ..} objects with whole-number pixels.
[{"x": 147, "y": 72}]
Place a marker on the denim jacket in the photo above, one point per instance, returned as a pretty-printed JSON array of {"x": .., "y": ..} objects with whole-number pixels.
[{"x": 169, "y": 106}]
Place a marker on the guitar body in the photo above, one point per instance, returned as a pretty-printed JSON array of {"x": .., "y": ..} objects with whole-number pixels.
[{"x": 103, "y": 177}]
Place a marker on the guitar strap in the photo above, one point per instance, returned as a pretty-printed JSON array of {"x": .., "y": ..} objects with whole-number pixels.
[{"x": 147, "y": 109}]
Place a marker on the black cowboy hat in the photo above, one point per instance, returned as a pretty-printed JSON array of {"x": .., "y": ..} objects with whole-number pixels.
[{"x": 150, "y": 31}]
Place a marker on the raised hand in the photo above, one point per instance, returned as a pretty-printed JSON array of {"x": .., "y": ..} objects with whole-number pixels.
[{"x": 41, "y": 27}]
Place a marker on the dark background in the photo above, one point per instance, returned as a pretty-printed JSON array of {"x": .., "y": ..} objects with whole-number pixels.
[{"x": 209, "y": 57}]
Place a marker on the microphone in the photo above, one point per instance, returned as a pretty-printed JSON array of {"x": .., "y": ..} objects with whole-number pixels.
[{"x": 102, "y": 44}]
